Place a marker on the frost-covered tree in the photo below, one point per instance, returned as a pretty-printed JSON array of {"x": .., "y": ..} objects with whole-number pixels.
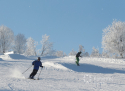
[
  {"x": 64, "y": 54},
  {"x": 60, "y": 54},
  {"x": 38, "y": 52},
  {"x": 81, "y": 48},
  {"x": 95, "y": 52},
  {"x": 104, "y": 54},
  {"x": 46, "y": 46},
  {"x": 72, "y": 53},
  {"x": 86, "y": 54},
  {"x": 20, "y": 44},
  {"x": 30, "y": 47},
  {"x": 6, "y": 38},
  {"x": 113, "y": 40}
]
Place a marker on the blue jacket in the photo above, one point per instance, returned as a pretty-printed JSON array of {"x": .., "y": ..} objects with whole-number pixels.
[{"x": 36, "y": 64}]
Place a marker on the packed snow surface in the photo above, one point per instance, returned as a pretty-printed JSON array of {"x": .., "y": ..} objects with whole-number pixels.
[{"x": 62, "y": 74}]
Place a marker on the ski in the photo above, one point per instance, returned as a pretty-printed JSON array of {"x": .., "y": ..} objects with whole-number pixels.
[{"x": 32, "y": 79}]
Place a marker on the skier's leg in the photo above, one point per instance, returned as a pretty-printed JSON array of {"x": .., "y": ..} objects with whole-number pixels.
[
  {"x": 77, "y": 60},
  {"x": 31, "y": 74},
  {"x": 34, "y": 73}
]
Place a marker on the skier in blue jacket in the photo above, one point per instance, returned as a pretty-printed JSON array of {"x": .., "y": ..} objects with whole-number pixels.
[{"x": 37, "y": 63}]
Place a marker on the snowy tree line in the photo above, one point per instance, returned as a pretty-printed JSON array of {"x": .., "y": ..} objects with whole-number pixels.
[
  {"x": 20, "y": 45},
  {"x": 95, "y": 52},
  {"x": 113, "y": 43}
]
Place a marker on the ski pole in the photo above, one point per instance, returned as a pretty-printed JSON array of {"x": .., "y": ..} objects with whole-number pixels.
[
  {"x": 27, "y": 69},
  {"x": 39, "y": 74}
]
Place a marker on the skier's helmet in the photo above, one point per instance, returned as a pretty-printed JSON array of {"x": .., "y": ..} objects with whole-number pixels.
[{"x": 39, "y": 58}]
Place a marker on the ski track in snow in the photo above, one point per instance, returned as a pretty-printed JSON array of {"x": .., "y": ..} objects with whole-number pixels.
[{"x": 62, "y": 74}]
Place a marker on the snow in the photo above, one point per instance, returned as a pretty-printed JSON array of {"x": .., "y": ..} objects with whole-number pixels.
[{"x": 62, "y": 74}]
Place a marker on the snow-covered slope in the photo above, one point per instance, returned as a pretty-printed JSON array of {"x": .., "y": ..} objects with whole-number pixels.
[{"x": 62, "y": 74}]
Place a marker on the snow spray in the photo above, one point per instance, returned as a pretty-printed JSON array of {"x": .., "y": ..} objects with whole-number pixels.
[{"x": 16, "y": 73}]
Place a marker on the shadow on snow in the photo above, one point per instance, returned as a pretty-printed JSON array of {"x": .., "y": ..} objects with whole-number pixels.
[
  {"x": 17, "y": 56},
  {"x": 88, "y": 68}
]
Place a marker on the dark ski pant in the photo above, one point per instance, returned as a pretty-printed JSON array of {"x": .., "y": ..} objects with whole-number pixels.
[{"x": 33, "y": 73}]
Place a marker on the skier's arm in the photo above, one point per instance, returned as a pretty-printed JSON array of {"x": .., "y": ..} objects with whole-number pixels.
[
  {"x": 41, "y": 65},
  {"x": 33, "y": 62}
]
